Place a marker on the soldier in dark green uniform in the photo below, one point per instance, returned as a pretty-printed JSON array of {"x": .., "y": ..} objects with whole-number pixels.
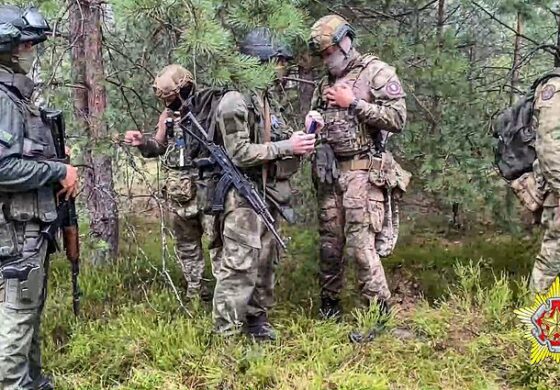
[{"x": 27, "y": 200}]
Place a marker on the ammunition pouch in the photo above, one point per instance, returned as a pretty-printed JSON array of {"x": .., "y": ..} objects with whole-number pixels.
[
  {"x": 529, "y": 193},
  {"x": 205, "y": 192},
  {"x": 284, "y": 169},
  {"x": 32, "y": 206},
  {"x": 8, "y": 239},
  {"x": 179, "y": 187},
  {"x": 386, "y": 172},
  {"x": 39, "y": 205}
]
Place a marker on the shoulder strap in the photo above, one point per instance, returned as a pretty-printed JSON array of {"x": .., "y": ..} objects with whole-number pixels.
[
  {"x": 14, "y": 98},
  {"x": 22, "y": 84}
]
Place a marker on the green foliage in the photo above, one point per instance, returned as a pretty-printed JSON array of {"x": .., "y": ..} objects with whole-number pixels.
[{"x": 135, "y": 335}]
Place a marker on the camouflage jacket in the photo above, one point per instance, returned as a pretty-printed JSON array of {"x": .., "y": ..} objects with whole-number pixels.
[
  {"x": 547, "y": 123},
  {"x": 381, "y": 108},
  {"x": 240, "y": 121}
]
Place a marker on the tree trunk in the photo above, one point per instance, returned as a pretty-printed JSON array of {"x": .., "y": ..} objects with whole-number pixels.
[
  {"x": 439, "y": 35},
  {"x": 440, "y": 22},
  {"x": 90, "y": 104},
  {"x": 305, "y": 72},
  {"x": 516, "y": 59}
]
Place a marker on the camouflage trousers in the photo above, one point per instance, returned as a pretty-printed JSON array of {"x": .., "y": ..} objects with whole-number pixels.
[
  {"x": 245, "y": 280},
  {"x": 547, "y": 264},
  {"x": 351, "y": 214},
  {"x": 22, "y": 296},
  {"x": 189, "y": 224}
]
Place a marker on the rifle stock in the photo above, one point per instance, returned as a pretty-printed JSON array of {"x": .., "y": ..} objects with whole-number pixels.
[{"x": 67, "y": 218}]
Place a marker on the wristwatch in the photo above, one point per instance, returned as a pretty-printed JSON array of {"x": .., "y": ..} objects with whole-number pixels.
[{"x": 353, "y": 105}]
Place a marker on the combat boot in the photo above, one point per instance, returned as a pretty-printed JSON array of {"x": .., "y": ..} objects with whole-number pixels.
[
  {"x": 259, "y": 329},
  {"x": 377, "y": 329},
  {"x": 330, "y": 309},
  {"x": 206, "y": 292},
  {"x": 44, "y": 383}
]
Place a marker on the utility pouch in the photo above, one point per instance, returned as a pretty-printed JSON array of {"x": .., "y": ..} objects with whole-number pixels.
[{"x": 8, "y": 238}]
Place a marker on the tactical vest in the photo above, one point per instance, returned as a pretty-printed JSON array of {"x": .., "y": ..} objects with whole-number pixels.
[
  {"x": 31, "y": 206},
  {"x": 280, "y": 169},
  {"x": 342, "y": 131},
  {"x": 38, "y": 143}
]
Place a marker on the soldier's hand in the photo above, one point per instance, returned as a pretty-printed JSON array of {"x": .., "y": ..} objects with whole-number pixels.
[
  {"x": 340, "y": 95},
  {"x": 69, "y": 183},
  {"x": 314, "y": 116},
  {"x": 302, "y": 143},
  {"x": 134, "y": 138},
  {"x": 162, "y": 118}
]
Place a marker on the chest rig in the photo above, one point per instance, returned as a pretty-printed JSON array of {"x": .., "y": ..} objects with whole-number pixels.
[
  {"x": 37, "y": 144},
  {"x": 346, "y": 136}
]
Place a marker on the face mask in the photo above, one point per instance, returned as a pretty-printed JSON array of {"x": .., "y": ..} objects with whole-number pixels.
[
  {"x": 336, "y": 62},
  {"x": 178, "y": 103},
  {"x": 25, "y": 60},
  {"x": 175, "y": 105}
]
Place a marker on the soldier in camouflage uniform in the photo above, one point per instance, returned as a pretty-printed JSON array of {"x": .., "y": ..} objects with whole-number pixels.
[
  {"x": 174, "y": 86},
  {"x": 262, "y": 146},
  {"x": 27, "y": 200},
  {"x": 357, "y": 105},
  {"x": 547, "y": 145}
]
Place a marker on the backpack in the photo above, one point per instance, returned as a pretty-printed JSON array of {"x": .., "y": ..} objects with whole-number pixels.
[
  {"x": 514, "y": 130},
  {"x": 203, "y": 105}
]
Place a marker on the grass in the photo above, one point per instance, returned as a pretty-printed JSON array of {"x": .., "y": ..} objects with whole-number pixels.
[{"x": 134, "y": 333}]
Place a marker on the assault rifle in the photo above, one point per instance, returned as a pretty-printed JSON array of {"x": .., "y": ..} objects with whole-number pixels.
[
  {"x": 67, "y": 218},
  {"x": 231, "y": 176}
]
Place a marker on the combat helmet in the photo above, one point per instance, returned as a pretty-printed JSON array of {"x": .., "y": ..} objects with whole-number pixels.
[
  {"x": 10, "y": 37},
  {"x": 171, "y": 81},
  {"x": 328, "y": 31},
  {"x": 30, "y": 22},
  {"x": 260, "y": 43}
]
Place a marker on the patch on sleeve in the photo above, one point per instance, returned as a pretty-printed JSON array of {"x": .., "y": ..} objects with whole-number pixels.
[
  {"x": 6, "y": 138},
  {"x": 548, "y": 92},
  {"x": 393, "y": 89}
]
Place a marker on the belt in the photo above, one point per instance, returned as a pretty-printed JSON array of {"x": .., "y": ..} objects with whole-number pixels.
[{"x": 360, "y": 165}]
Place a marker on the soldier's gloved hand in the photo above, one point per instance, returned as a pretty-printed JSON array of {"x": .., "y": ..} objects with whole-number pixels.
[
  {"x": 134, "y": 138},
  {"x": 314, "y": 116},
  {"x": 340, "y": 95},
  {"x": 69, "y": 183},
  {"x": 302, "y": 143}
]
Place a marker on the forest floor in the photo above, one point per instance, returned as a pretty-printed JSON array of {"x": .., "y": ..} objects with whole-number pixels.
[{"x": 454, "y": 295}]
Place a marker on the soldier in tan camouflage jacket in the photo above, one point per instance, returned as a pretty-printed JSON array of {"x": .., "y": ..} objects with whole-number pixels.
[
  {"x": 174, "y": 85},
  {"x": 357, "y": 107},
  {"x": 547, "y": 146}
]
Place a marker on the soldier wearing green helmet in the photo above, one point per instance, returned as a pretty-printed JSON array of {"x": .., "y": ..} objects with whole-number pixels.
[{"x": 28, "y": 205}]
